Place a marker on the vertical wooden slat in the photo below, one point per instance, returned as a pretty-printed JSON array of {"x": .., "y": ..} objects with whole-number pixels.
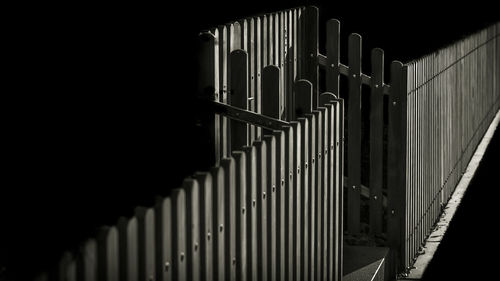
[
  {"x": 241, "y": 215},
  {"x": 208, "y": 76},
  {"x": 296, "y": 198},
  {"x": 320, "y": 181},
  {"x": 354, "y": 134},
  {"x": 251, "y": 72},
  {"x": 376, "y": 140},
  {"x": 66, "y": 270},
  {"x": 258, "y": 72},
  {"x": 324, "y": 191},
  {"x": 163, "y": 224},
  {"x": 309, "y": 45},
  {"x": 179, "y": 235},
  {"x": 278, "y": 23},
  {"x": 218, "y": 223},
  {"x": 128, "y": 241},
  {"x": 192, "y": 189},
  {"x": 229, "y": 217},
  {"x": 340, "y": 190},
  {"x": 396, "y": 166},
  {"x": 107, "y": 250},
  {"x": 251, "y": 202},
  {"x": 327, "y": 100},
  {"x": 312, "y": 176},
  {"x": 332, "y": 56},
  {"x": 271, "y": 107},
  {"x": 288, "y": 202},
  {"x": 239, "y": 84},
  {"x": 271, "y": 205},
  {"x": 280, "y": 204},
  {"x": 88, "y": 263},
  {"x": 303, "y": 106},
  {"x": 146, "y": 249},
  {"x": 223, "y": 40},
  {"x": 261, "y": 199}
]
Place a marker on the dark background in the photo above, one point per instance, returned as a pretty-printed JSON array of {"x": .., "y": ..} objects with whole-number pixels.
[{"x": 99, "y": 117}]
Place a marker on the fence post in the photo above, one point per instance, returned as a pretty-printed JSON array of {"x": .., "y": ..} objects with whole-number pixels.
[
  {"x": 354, "y": 135},
  {"x": 376, "y": 140},
  {"x": 396, "y": 170}
]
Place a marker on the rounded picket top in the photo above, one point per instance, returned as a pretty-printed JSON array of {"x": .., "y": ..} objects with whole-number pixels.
[
  {"x": 326, "y": 98},
  {"x": 88, "y": 266},
  {"x": 312, "y": 10},
  {"x": 67, "y": 267},
  {"x": 356, "y": 37},
  {"x": 303, "y": 97},
  {"x": 333, "y": 23},
  {"x": 206, "y": 36},
  {"x": 377, "y": 51}
]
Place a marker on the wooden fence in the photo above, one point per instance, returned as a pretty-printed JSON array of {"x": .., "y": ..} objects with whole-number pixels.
[
  {"x": 271, "y": 208},
  {"x": 452, "y": 97}
]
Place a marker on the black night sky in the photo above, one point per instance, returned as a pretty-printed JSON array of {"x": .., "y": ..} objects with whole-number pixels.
[{"x": 100, "y": 118}]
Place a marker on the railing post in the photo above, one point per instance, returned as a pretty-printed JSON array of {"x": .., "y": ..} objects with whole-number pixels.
[{"x": 396, "y": 170}]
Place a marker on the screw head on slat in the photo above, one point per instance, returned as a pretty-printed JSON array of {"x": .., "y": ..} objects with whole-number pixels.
[
  {"x": 167, "y": 266},
  {"x": 392, "y": 212},
  {"x": 221, "y": 228},
  {"x": 182, "y": 256},
  {"x": 274, "y": 188},
  {"x": 243, "y": 210},
  {"x": 263, "y": 195},
  {"x": 394, "y": 103},
  {"x": 375, "y": 197},
  {"x": 195, "y": 247},
  {"x": 208, "y": 236}
]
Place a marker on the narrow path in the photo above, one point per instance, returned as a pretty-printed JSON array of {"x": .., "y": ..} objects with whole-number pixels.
[{"x": 469, "y": 250}]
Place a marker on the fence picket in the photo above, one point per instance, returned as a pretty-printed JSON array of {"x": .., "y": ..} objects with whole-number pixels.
[
  {"x": 376, "y": 140},
  {"x": 309, "y": 43},
  {"x": 163, "y": 225},
  {"x": 333, "y": 56},
  {"x": 251, "y": 185},
  {"x": 354, "y": 135},
  {"x": 192, "y": 189},
  {"x": 229, "y": 217},
  {"x": 280, "y": 204},
  {"x": 261, "y": 199},
  {"x": 239, "y": 84},
  {"x": 303, "y": 106},
  {"x": 107, "y": 251},
  {"x": 218, "y": 221},
  {"x": 271, "y": 205}
]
